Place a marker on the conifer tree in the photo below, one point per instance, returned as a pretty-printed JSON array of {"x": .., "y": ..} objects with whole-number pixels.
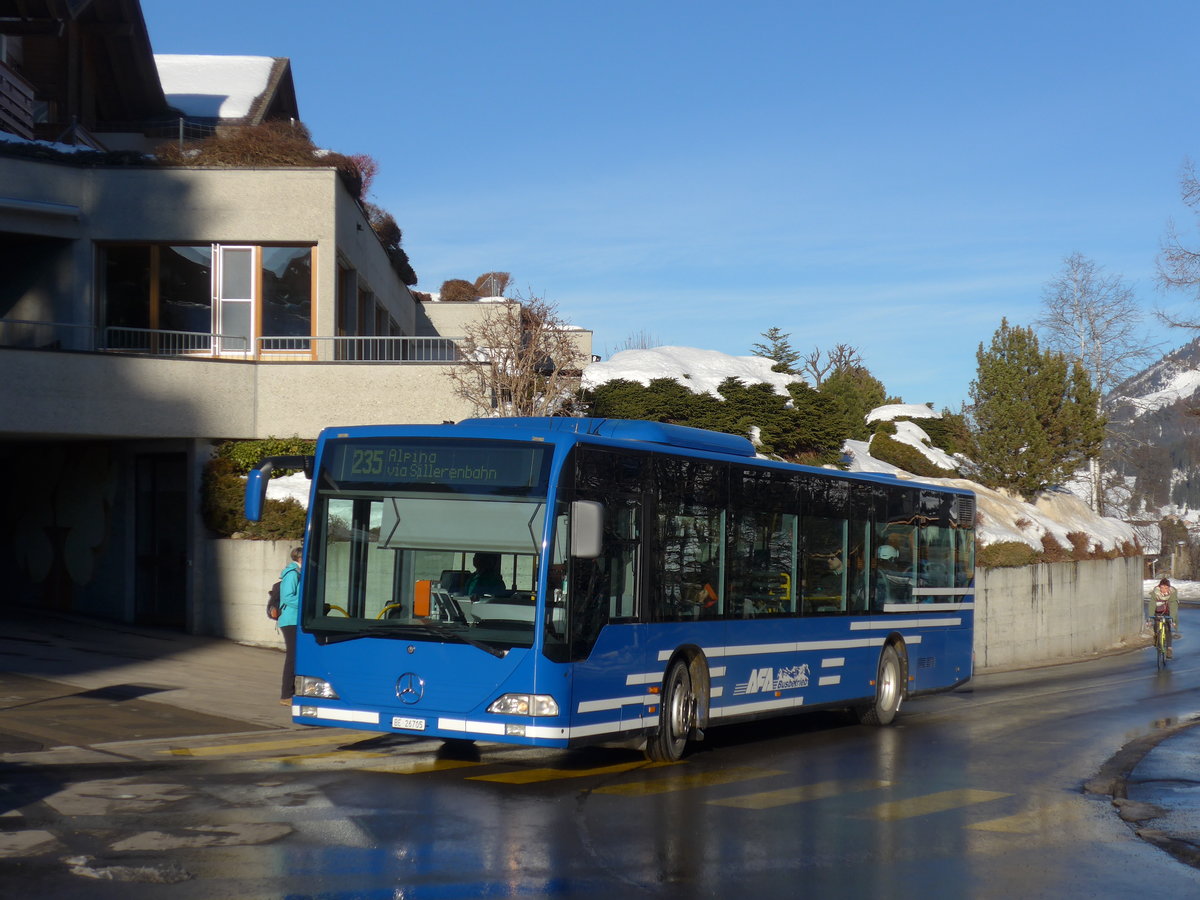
[
  {"x": 778, "y": 348},
  {"x": 1035, "y": 418},
  {"x": 857, "y": 392}
]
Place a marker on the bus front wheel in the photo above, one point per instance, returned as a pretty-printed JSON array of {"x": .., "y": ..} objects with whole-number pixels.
[
  {"x": 889, "y": 690},
  {"x": 675, "y": 717}
]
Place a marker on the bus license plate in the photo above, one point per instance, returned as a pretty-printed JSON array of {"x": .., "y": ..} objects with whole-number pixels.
[{"x": 408, "y": 724}]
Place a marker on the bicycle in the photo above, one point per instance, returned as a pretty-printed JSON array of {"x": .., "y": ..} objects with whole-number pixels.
[{"x": 1162, "y": 634}]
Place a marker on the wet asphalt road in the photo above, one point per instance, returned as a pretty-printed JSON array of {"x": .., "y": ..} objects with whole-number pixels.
[{"x": 980, "y": 793}]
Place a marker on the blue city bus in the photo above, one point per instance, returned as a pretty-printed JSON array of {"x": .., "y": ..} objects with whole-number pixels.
[{"x": 556, "y": 582}]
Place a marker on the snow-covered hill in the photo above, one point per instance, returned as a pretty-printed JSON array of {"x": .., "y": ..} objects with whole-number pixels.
[{"x": 1002, "y": 517}]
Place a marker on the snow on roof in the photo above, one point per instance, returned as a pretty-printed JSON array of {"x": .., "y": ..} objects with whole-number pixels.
[
  {"x": 901, "y": 410},
  {"x": 699, "y": 370},
  {"x": 215, "y": 87}
]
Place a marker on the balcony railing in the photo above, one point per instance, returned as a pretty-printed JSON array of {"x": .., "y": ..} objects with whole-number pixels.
[
  {"x": 204, "y": 345},
  {"x": 360, "y": 349},
  {"x": 159, "y": 342},
  {"x": 16, "y": 103}
]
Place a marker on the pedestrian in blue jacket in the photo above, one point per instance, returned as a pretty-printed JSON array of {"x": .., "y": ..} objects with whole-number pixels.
[{"x": 289, "y": 615}]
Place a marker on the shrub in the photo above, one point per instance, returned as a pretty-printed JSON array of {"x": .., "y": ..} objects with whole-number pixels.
[
  {"x": 1005, "y": 554},
  {"x": 950, "y": 432},
  {"x": 1080, "y": 545},
  {"x": 223, "y": 495},
  {"x": 245, "y": 455},
  {"x": 493, "y": 284},
  {"x": 270, "y": 144},
  {"x": 1053, "y": 551},
  {"x": 906, "y": 457},
  {"x": 804, "y": 426},
  {"x": 458, "y": 290},
  {"x": 223, "y": 490}
]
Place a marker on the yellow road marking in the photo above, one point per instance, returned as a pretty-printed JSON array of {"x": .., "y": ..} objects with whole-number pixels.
[
  {"x": 530, "y": 776},
  {"x": 298, "y": 758},
  {"x": 686, "y": 782},
  {"x": 419, "y": 766},
  {"x": 805, "y": 793},
  {"x": 259, "y": 746},
  {"x": 930, "y": 803},
  {"x": 1043, "y": 820}
]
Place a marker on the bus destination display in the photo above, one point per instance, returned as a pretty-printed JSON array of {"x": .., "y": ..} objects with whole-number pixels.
[{"x": 412, "y": 462}]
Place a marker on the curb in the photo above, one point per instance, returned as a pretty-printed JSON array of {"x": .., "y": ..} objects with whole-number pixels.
[{"x": 1112, "y": 781}]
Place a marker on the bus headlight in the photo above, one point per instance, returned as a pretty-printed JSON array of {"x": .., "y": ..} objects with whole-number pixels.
[
  {"x": 307, "y": 686},
  {"x": 524, "y": 705}
]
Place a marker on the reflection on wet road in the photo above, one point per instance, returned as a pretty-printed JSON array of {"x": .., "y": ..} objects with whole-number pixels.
[{"x": 973, "y": 794}]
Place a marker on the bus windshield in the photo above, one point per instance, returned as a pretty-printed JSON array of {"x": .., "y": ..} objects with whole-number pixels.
[{"x": 424, "y": 540}]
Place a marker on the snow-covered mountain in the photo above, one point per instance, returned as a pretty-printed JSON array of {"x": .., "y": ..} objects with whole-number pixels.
[{"x": 1155, "y": 448}]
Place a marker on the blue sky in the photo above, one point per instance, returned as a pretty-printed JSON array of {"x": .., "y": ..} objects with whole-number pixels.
[{"x": 896, "y": 176}]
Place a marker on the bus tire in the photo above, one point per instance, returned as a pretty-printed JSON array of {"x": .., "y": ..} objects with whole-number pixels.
[
  {"x": 676, "y": 715},
  {"x": 889, "y": 690}
]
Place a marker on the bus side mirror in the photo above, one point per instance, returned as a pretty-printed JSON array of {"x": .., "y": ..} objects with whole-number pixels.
[
  {"x": 587, "y": 529},
  {"x": 256, "y": 480},
  {"x": 256, "y": 491}
]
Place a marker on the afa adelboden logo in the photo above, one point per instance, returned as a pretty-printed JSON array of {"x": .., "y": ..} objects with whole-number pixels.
[{"x": 770, "y": 679}]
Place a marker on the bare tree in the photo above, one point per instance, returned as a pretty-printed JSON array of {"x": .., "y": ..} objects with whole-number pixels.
[
  {"x": 1095, "y": 319},
  {"x": 521, "y": 359},
  {"x": 818, "y": 364},
  {"x": 1179, "y": 265}
]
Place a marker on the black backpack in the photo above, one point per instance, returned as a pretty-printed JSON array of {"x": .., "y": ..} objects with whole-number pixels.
[{"x": 273, "y": 610}]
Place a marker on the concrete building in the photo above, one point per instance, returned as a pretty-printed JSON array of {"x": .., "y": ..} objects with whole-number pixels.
[{"x": 148, "y": 311}]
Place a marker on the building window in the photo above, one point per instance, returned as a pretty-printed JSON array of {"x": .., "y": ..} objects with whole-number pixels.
[
  {"x": 127, "y": 287},
  {"x": 204, "y": 290},
  {"x": 185, "y": 288},
  {"x": 287, "y": 291}
]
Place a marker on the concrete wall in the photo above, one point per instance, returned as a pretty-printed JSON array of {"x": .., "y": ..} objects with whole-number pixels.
[
  {"x": 1055, "y": 611},
  {"x": 233, "y": 582},
  {"x": 1023, "y": 617},
  {"x": 108, "y": 395}
]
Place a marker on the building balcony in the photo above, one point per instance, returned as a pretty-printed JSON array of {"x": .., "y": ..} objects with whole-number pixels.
[
  {"x": 78, "y": 382},
  {"x": 16, "y": 103},
  {"x": 209, "y": 345}
]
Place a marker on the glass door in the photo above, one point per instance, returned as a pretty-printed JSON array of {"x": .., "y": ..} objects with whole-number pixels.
[{"x": 234, "y": 308}]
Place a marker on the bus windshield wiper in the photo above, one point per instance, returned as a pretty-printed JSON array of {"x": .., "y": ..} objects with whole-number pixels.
[
  {"x": 391, "y": 630},
  {"x": 442, "y": 631},
  {"x": 425, "y": 627}
]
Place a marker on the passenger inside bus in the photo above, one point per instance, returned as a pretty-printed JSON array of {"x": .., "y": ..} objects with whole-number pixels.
[
  {"x": 486, "y": 578},
  {"x": 893, "y": 581}
]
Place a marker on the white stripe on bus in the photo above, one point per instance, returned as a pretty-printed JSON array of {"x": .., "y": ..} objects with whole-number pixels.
[
  {"x": 339, "y": 715},
  {"x": 893, "y": 624},
  {"x": 718, "y": 712},
  {"x": 805, "y": 646},
  {"x": 588, "y": 706}
]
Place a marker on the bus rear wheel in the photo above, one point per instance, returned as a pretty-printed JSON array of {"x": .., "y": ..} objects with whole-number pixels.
[
  {"x": 675, "y": 717},
  {"x": 889, "y": 690}
]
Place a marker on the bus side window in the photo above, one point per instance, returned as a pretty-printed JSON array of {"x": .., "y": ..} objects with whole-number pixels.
[{"x": 688, "y": 571}]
